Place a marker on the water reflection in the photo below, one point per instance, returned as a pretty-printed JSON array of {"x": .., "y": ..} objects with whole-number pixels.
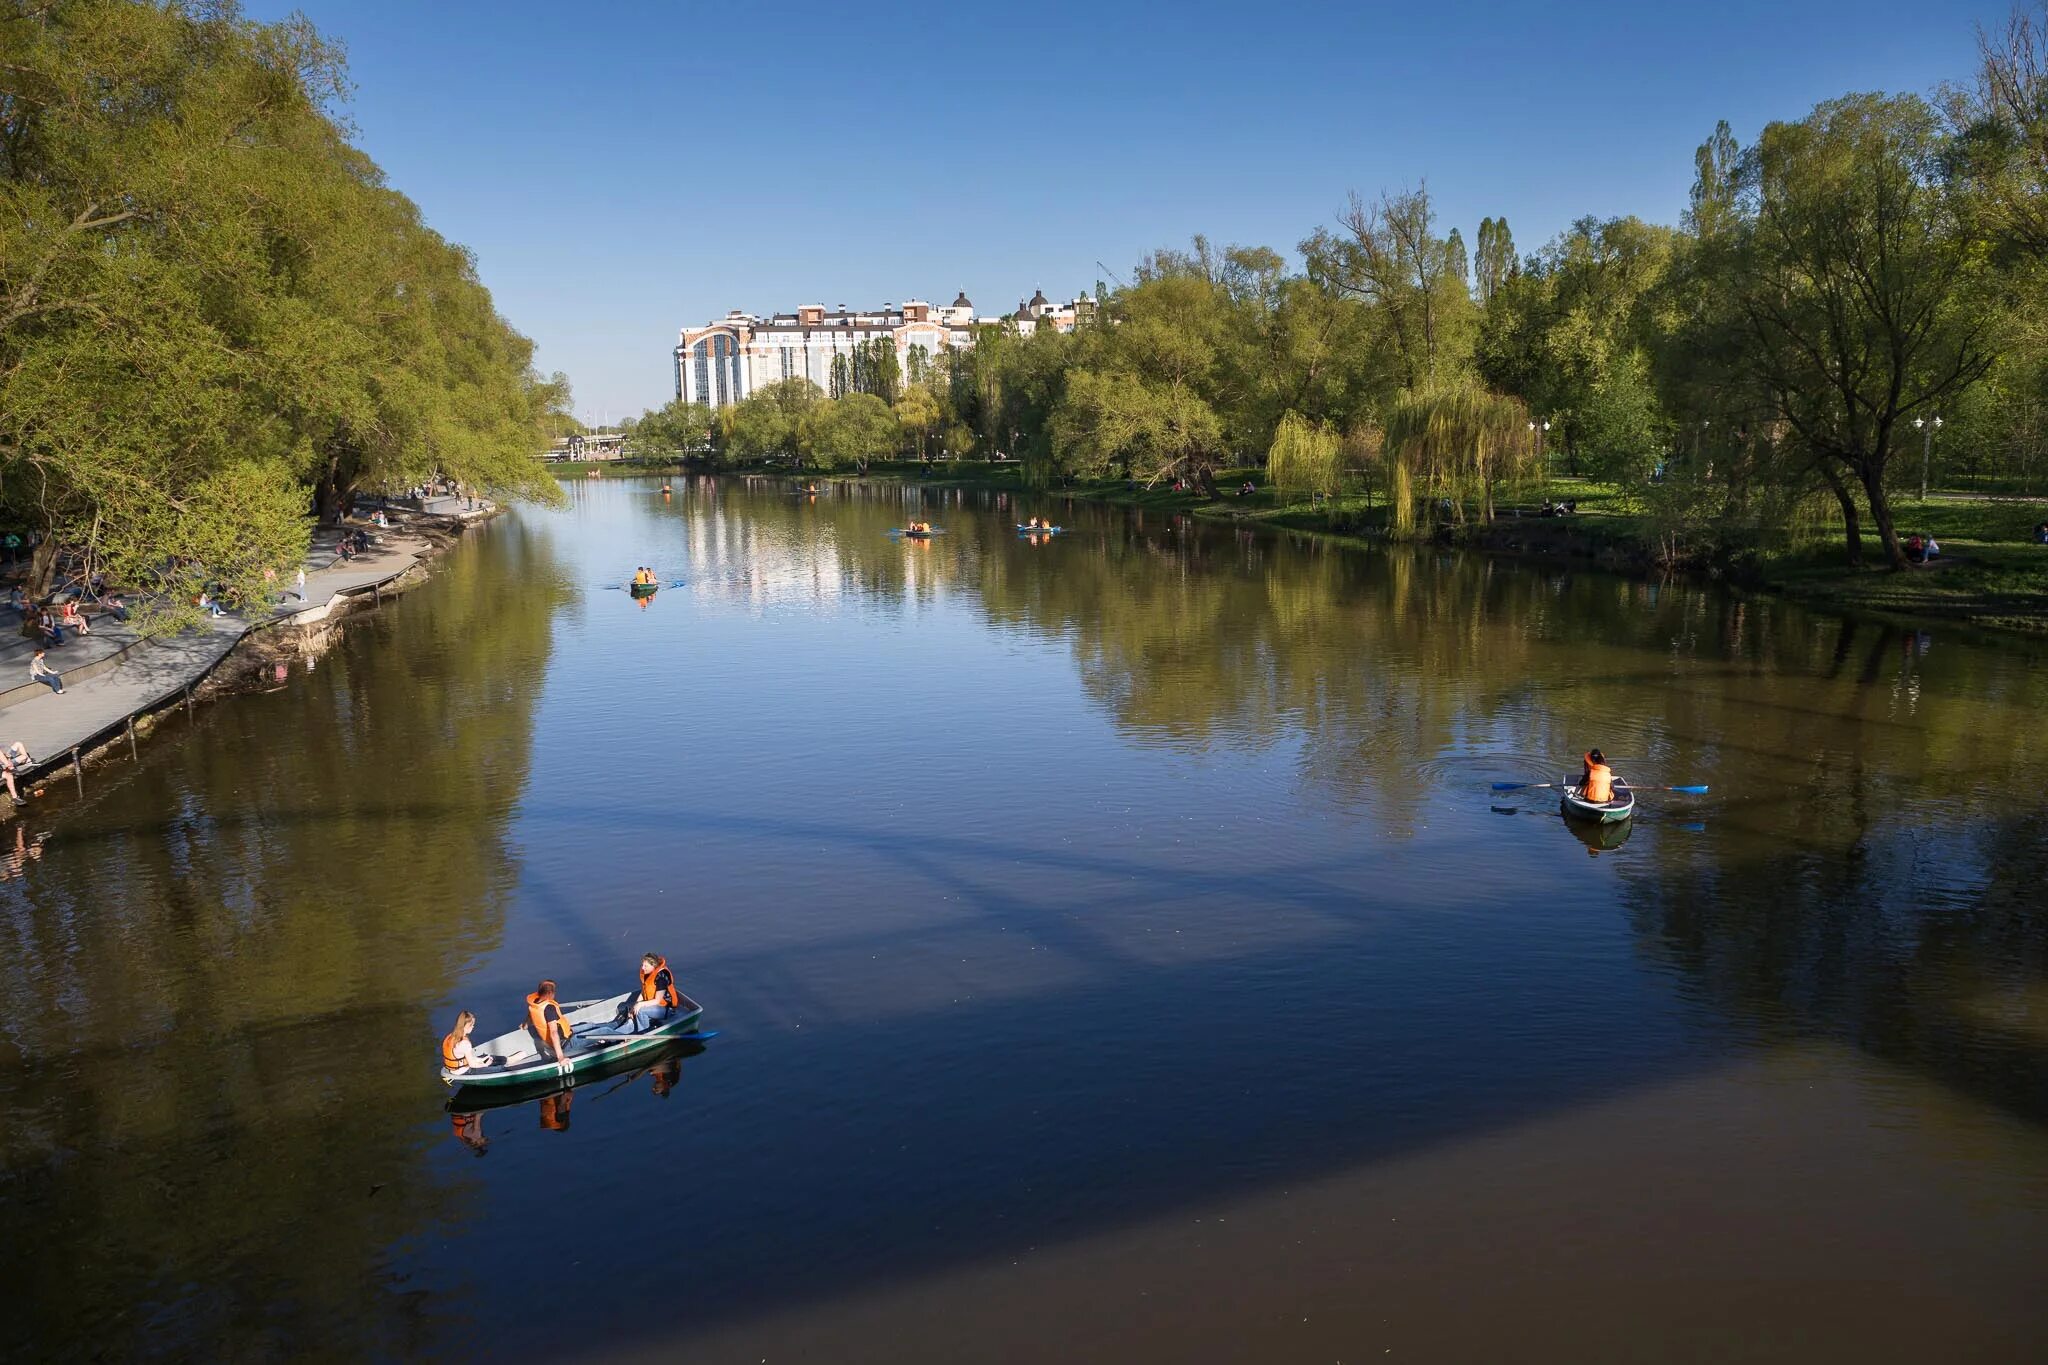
[
  {"x": 1060, "y": 890},
  {"x": 215, "y": 963}
]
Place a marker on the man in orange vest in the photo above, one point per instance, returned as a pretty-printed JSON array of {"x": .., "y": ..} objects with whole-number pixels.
[
  {"x": 544, "y": 1018},
  {"x": 1596, "y": 783}
]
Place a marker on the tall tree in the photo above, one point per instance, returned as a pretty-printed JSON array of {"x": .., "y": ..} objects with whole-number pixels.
[{"x": 1860, "y": 289}]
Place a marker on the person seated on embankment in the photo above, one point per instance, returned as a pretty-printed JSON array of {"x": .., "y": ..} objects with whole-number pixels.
[
  {"x": 545, "y": 1021},
  {"x": 39, "y": 670},
  {"x": 1596, "y": 780},
  {"x": 14, "y": 760}
]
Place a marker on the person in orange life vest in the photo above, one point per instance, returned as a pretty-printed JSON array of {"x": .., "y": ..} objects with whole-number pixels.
[
  {"x": 544, "y": 1019},
  {"x": 455, "y": 1053},
  {"x": 657, "y": 995},
  {"x": 1596, "y": 783}
]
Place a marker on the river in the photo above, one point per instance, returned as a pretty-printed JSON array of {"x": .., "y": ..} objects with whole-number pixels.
[{"x": 1117, "y": 952}]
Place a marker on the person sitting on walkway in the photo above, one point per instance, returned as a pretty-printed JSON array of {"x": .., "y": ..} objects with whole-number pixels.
[
  {"x": 15, "y": 598},
  {"x": 53, "y": 634},
  {"x": 208, "y": 605},
  {"x": 545, "y": 1021},
  {"x": 113, "y": 606},
  {"x": 14, "y": 760},
  {"x": 40, "y": 671},
  {"x": 658, "y": 995},
  {"x": 456, "y": 1055},
  {"x": 75, "y": 618}
]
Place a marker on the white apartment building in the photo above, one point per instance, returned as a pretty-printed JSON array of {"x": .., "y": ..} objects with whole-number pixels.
[{"x": 724, "y": 361}]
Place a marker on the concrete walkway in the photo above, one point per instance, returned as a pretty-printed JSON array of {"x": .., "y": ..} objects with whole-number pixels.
[{"x": 113, "y": 674}]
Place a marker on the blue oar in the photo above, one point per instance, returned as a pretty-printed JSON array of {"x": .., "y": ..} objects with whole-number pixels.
[{"x": 1700, "y": 790}]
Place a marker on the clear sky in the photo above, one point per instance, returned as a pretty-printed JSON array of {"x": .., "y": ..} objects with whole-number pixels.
[{"x": 623, "y": 169}]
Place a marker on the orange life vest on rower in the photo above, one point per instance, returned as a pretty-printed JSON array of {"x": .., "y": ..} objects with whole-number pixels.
[
  {"x": 537, "y": 1007},
  {"x": 660, "y": 982},
  {"x": 449, "y": 1058},
  {"x": 1599, "y": 781}
]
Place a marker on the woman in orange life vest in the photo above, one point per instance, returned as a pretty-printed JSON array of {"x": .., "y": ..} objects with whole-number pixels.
[
  {"x": 1596, "y": 783},
  {"x": 544, "y": 1019},
  {"x": 658, "y": 994},
  {"x": 455, "y": 1053}
]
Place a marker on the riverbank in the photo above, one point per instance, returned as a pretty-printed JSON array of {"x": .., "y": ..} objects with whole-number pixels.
[
  {"x": 1990, "y": 575},
  {"x": 117, "y": 681}
]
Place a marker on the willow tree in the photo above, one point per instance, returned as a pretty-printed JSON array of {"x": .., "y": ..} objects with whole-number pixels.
[
  {"x": 1304, "y": 457},
  {"x": 1453, "y": 443}
]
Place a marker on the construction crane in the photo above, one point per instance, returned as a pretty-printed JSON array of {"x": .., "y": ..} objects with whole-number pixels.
[{"x": 1112, "y": 274}]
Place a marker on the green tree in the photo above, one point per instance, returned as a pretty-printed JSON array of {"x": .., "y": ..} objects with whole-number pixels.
[
  {"x": 849, "y": 431},
  {"x": 1861, "y": 290},
  {"x": 917, "y": 411}
]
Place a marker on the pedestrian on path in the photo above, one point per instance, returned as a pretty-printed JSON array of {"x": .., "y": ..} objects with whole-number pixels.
[
  {"x": 302, "y": 583},
  {"x": 40, "y": 671}
]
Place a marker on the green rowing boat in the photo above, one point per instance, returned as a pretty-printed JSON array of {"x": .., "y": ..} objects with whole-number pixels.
[{"x": 596, "y": 1038}]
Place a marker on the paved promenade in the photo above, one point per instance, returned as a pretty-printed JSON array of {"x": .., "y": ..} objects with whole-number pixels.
[{"x": 113, "y": 674}]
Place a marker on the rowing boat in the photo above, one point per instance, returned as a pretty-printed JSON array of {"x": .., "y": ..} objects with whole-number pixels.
[
  {"x": 643, "y": 589},
  {"x": 1038, "y": 530},
  {"x": 917, "y": 535},
  {"x": 596, "y": 1038},
  {"x": 1611, "y": 812}
]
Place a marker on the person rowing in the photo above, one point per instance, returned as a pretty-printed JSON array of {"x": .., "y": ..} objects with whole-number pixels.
[
  {"x": 1596, "y": 780},
  {"x": 544, "y": 1019}
]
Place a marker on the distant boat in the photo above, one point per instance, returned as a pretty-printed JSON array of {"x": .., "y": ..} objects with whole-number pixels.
[
  {"x": 596, "y": 1039},
  {"x": 643, "y": 589}
]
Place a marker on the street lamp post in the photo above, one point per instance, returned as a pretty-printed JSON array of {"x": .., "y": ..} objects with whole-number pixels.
[{"x": 1922, "y": 424}]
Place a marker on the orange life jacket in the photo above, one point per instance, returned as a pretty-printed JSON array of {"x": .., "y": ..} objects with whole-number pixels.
[
  {"x": 653, "y": 985},
  {"x": 537, "y": 1017},
  {"x": 448, "y": 1057},
  {"x": 1599, "y": 784}
]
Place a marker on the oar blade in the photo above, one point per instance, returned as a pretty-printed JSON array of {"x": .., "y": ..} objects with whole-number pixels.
[{"x": 1696, "y": 791}]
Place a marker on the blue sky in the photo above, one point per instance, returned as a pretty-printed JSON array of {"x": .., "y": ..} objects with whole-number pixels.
[{"x": 622, "y": 169}]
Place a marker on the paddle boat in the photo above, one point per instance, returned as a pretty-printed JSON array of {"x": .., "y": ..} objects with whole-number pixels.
[
  {"x": 1612, "y": 812},
  {"x": 596, "y": 1039}
]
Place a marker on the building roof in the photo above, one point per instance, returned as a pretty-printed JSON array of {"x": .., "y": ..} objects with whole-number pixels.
[{"x": 962, "y": 302}]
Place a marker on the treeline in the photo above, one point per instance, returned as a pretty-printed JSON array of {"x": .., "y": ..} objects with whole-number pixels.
[
  {"x": 216, "y": 319},
  {"x": 1773, "y": 363}
]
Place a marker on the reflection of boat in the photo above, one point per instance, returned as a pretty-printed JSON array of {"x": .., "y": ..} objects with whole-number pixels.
[
  {"x": 1601, "y": 838},
  {"x": 644, "y": 589},
  {"x": 596, "y": 1038},
  {"x": 663, "y": 1059},
  {"x": 1602, "y": 812}
]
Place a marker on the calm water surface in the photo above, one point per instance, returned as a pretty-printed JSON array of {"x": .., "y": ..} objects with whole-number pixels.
[{"x": 1118, "y": 954}]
